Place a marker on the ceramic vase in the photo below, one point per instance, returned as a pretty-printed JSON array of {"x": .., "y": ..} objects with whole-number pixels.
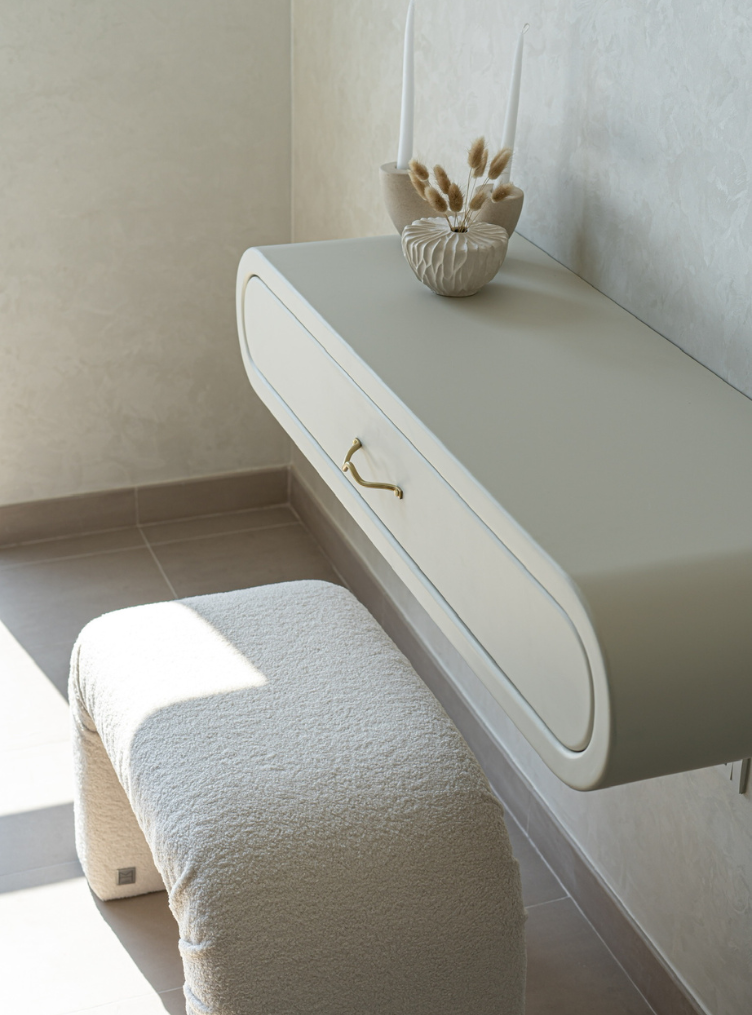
[
  {"x": 405, "y": 204},
  {"x": 402, "y": 200},
  {"x": 454, "y": 264},
  {"x": 505, "y": 213}
]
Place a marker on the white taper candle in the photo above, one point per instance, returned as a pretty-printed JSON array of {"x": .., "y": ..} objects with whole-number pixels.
[
  {"x": 513, "y": 103},
  {"x": 405, "y": 150}
]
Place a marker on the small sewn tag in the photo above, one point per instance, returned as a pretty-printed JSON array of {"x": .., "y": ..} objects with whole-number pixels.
[{"x": 126, "y": 876}]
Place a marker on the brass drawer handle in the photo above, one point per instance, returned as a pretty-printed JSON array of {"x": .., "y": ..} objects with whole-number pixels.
[{"x": 347, "y": 466}]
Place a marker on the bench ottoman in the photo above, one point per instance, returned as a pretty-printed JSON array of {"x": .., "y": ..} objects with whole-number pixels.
[{"x": 328, "y": 842}]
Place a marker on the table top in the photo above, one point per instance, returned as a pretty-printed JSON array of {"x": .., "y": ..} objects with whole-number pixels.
[{"x": 610, "y": 446}]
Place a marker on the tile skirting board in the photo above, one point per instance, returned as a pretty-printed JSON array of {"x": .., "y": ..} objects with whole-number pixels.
[
  {"x": 141, "y": 505},
  {"x": 359, "y": 564}
]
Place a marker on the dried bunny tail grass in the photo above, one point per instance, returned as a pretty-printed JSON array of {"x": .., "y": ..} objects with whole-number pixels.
[
  {"x": 502, "y": 191},
  {"x": 477, "y": 201},
  {"x": 477, "y": 173},
  {"x": 456, "y": 198},
  {"x": 420, "y": 185},
  {"x": 435, "y": 199},
  {"x": 419, "y": 169},
  {"x": 475, "y": 154},
  {"x": 442, "y": 179},
  {"x": 499, "y": 163}
]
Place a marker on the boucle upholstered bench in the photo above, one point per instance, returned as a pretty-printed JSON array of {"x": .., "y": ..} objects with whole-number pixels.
[{"x": 328, "y": 842}]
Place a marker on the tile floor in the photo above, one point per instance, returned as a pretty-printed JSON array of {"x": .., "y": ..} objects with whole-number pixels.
[{"x": 64, "y": 951}]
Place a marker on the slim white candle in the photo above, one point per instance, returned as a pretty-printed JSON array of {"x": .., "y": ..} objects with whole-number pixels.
[
  {"x": 513, "y": 103},
  {"x": 405, "y": 150}
]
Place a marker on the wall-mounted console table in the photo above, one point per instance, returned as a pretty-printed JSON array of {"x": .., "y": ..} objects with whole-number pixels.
[{"x": 577, "y": 492}]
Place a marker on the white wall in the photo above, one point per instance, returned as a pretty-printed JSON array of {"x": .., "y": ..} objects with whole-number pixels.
[
  {"x": 144, "y": 147},
  {"x": 635, "y": 153}
]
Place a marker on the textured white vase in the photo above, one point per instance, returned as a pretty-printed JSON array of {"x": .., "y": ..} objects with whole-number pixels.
[{"x": 454, "y": 264}]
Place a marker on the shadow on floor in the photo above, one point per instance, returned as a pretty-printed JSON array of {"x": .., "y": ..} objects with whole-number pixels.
[
  {"x": 147, "y": 930},
  {"x": 37, "y": 839}
]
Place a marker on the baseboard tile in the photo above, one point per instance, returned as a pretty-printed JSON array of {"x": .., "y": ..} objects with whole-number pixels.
[
  {"x": 211, "y": 495},
  {"x": 644, "y": 966},
  {"x": 67, "y": 516},
  {"x": 117, "y": 509}
]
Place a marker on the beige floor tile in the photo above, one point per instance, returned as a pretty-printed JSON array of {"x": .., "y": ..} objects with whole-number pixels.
[
  {"x": 147, "y": 930},
  {"x": 569, "y": 969},
  {"x": 172, "y": 1002},
  {"x": 21, "y": 880},
  {"x": 32, "y": 778},
  {"x": 37, "y": 839},
  {"x": 32, "y": 711},
  {"x": 61, "y": 955},
  {"x": 223, "y": 563},
  {"x": 213, "y": 525},
  {"x": 45, "y": 605}
]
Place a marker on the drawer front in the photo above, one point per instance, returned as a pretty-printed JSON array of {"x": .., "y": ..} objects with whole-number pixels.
[{"x": 508, "y": 611}]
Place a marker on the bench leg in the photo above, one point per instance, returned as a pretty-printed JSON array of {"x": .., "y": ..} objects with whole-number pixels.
[{"x": 114, "y": 854}]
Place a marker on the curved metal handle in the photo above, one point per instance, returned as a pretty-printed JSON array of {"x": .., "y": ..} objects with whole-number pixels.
[{"x": 347, "y": 466}]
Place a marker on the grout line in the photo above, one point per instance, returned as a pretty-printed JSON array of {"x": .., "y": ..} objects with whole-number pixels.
[
  {"x": 140, "y": 530},
  {"x": 45, "y": 867},
  {"x": 69, "y": 535},
  {"x": 216, "y": 535},
  {"x": 148, "y": 546},
  {"x": 115, "y": 1003},
  {"x": 125, "y": 528},
  {"x": 214, "y": 514},
  {"x": 548, "y": 902},
  {"x": 615, "y": 957},
  {"x": 69, "y": 556}
]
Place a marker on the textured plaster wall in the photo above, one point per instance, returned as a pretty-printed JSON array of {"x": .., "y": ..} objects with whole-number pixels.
[
  {"x": 634, "y": 139},
  {"x": 145, "y": 146},
  {"x": 635, "y": 152}
]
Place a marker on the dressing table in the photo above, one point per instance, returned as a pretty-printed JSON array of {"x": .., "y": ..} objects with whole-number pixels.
[{"x": 567, "y": 494}]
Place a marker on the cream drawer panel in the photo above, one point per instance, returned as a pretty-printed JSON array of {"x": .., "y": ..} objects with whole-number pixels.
[{"x": 513, "y": 617}]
